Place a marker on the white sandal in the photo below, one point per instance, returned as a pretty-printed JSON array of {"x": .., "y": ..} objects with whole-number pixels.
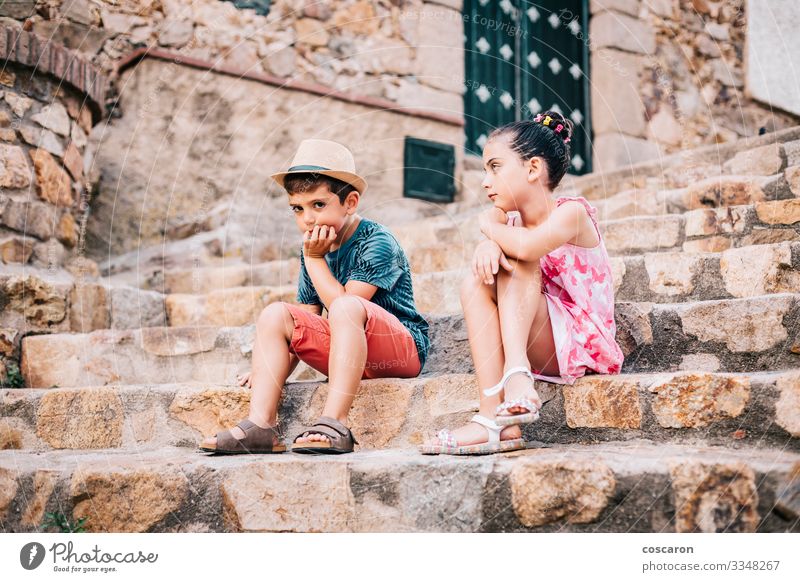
[
  {"x": 524, "y": 418},
  {"x": 449, "y": 445}
]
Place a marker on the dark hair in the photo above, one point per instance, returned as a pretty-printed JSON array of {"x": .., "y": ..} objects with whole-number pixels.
[
  {"x": 530, "y": 138},
  {"x": 308, "y": 181}
]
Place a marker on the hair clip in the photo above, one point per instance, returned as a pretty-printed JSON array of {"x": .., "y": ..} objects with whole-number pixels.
[
  {"x": 567, "y": 140},
  {"x": 538, "y": 117},
  {"x": 547, "y": 120},
  {"x": 559, "y": 127}
]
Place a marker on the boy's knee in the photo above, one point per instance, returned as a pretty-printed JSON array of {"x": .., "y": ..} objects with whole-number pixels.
[
  {"x": 275, "y": 315},
  {"x": 347, "y": 307}
]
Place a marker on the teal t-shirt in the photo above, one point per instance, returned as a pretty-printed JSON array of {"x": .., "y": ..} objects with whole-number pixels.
[{"x": 373, "y": 255}]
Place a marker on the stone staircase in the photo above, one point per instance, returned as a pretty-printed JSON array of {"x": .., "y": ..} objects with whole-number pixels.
[{"x": 125, "y": 372}]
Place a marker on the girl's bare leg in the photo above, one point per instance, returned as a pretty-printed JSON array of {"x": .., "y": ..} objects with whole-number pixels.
[
  {"x": 479, "y": 302},
  {"x": 348, "y": 357},
  {"x": 522, "y": 308},
  {"x": 272, "y": 364}
]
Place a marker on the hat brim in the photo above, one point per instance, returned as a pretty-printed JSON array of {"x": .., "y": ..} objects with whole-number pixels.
[{"x": 356, "y": 181}]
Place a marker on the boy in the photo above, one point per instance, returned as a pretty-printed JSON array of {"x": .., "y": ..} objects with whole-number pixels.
[{"x": 357, "y": 271}]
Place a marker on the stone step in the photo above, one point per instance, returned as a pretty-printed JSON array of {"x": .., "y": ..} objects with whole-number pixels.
[
  {"x": 55, "y": 303},
  {"x": 198, "y": 264},
  {"x": 654, "y": 277},
  {"x": 206, "y": 279},
  {"x": 611, "y": 487},
  {"x": 231, "y": 307},
  {"x": 708, "y": 189},
  {"x": 765, "y": 155},
  {"x": 711, "y": 191},
  {"x": 757, "y": 409},
  {"x": 664, "y": 277},
  {"x": 727, "y": 335},
  {"x": 742, "y": 335},
  {"x": 439, "y": 246},
  {"x": 226, "y": 244}
]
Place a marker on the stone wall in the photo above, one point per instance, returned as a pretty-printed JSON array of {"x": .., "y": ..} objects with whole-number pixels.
[
  {"x": 666, "y": 74},
  {"x": 769, "y": 79},
  {"x": 45, "y": 118},
  {"x": 669, "y": 75},
  {"x": 194, "y": 151},
  {"x": 49, "y": 101},
  {"x": 407, "y": 51},
  {"x": 212, "y": 170}
]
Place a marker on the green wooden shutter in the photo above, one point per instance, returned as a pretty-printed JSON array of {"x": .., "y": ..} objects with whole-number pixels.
[
  {"x": 490, "y": 98},
  {"x": 428, "y": 168},
  {"x": 536, "y": 53}
]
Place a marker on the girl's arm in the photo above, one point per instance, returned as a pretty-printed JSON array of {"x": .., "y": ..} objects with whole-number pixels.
[{"x": 531, "y": 244}]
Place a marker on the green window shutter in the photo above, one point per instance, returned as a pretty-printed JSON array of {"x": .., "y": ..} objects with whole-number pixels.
[
  {"x": 549, "y": 68},
  {"x": 490, "y": 69},
  {"x": 428, "y": 170}
]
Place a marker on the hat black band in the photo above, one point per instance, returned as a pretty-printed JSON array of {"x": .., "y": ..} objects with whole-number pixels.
[{"x": 307, "y": 168}]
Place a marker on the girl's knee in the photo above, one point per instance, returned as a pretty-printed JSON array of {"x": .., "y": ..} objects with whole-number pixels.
[
  {"x": 525, "y": 274},
  {"x": 524, "y": 267}
]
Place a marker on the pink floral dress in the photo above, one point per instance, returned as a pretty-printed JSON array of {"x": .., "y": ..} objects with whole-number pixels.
[{"x": 578, "y": 287}]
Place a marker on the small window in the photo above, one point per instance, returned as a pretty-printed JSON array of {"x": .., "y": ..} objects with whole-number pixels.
[{"x": 428, "y": 170}]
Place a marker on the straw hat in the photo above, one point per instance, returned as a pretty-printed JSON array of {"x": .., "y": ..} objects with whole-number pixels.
[{"x": 325, "y": 157}]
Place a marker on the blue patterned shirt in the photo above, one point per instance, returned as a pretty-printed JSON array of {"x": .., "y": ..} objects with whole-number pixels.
[{"x": 373, "y": 255}]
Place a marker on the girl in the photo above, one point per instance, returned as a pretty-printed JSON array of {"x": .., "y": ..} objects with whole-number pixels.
[{"x": 540, "y": 300}]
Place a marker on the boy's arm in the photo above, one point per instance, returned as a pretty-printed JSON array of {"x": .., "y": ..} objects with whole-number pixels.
[
  {"x": 531, "y": 244},
  {"x": 328, "y": 288}
]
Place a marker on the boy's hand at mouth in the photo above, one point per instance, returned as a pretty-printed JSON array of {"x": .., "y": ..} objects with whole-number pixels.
[{"x": 317, "y": 242}]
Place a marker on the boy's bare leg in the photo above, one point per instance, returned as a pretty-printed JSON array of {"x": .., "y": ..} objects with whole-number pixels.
[
  {"x": 479, "y": 302},
  {"x": 348, "y": 357},
  {"x": 519, "y": 293},
  {"x": 272, "y": 364}
]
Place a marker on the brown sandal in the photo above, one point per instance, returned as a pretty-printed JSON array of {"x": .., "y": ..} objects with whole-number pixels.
[
  {"x": 341, "y": 439},
  {"x": 256, "y": 440}
]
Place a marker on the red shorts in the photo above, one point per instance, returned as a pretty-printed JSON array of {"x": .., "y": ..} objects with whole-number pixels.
[{"x": 391, "y": 351}]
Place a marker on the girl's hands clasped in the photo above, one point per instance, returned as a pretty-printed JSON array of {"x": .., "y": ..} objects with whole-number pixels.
[
  {"x": 317, "y": 242},
  {"x": 487, "y": 260}
]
